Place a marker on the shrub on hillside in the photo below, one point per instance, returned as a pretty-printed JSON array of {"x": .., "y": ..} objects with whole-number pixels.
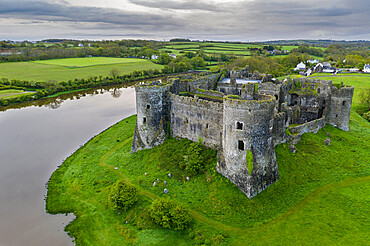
[
  {"x": 366, "y": 116},
  {"x": 194, "y": 162},
  {"x": 169, "y": 214},
  {"x": 122, "y": 195}
]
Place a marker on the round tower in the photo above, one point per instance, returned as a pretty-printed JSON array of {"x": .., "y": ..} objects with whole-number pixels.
[
  {"x": 340, "y": 107},
  {"x": 152, "y": 106},
  {"x": 249, "y": 159}
]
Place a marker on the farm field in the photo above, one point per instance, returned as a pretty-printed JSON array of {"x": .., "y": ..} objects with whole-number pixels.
[
  {"x": 6, "y": 94},
  {"x": 320, "y": 198},
  {"x": 68, "y": 69},
  {"x": 209, "y": 47}
]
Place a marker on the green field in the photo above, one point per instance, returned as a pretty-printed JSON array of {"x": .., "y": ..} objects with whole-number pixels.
[
  {"x": 359, "y": 81},
  {"x": 321, "y": 198},
  {"x": 208, "y": 48},
  {"x": 227, "y": 48},
  {"x": 6, "y": 94},
  {"x": 71, "y": 68}
]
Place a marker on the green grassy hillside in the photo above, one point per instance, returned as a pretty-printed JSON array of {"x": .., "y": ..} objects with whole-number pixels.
[
  {"x": 322, "y": 195},
  {"x": 71, "y": 68}
]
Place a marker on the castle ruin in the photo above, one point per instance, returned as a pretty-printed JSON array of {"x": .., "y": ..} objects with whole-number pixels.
[{"x": 239, "y": 114}]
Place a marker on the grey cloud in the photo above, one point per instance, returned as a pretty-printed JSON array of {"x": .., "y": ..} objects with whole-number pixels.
[
  {"x": 243, "y": 20},
  {"x": 42, "y": 10},
  {"x": 177, "y": 5}
]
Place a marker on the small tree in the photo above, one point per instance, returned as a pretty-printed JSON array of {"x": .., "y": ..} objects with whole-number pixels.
[
  {"x": 114, "y": 72},
  {"x": 169, "y": 214},
  {"x": 122, "y": 195},
  {"x": 365, "y": 98},
  {"x": 194, "y": 160}
]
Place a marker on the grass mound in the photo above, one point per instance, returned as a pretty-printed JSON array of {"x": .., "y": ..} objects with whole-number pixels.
[{"x": 321, "y": 197}]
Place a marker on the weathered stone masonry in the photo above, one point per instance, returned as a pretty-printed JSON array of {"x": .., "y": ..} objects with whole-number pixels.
[{"x": 247, "y": 114}]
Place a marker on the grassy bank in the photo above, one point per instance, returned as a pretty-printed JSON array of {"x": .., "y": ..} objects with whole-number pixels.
[
  {"x": 72, "y": 68},
  {"x": 6, "y": 94},
  {"x": 321, "y": 197}
]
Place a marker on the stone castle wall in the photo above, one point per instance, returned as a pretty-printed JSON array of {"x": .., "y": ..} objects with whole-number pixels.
[
  {"x": 278, "y": 131},
  {"x": 312, "y": 126},
  {"x": 192, "y": 117}
]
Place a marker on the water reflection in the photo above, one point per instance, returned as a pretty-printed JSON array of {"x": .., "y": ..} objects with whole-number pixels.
[
  {"x": 55, "y": 102},
  {"x": 35, "y": 137}
]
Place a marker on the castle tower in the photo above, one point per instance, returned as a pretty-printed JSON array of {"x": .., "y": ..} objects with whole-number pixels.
[
  {"x": 152, "y": 105},
  {"x": 248, "y": 159},
  {"x": 340, "y": 107}
]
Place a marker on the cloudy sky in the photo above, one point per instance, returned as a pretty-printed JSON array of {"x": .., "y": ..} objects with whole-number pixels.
[{"x": 232, "y": 20}]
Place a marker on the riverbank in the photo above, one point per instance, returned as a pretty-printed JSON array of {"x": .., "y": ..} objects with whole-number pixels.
[{"x": 320, "y": 198}]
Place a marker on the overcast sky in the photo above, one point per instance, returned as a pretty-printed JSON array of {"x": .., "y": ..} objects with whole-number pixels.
[{"x": 231, "y": 20}]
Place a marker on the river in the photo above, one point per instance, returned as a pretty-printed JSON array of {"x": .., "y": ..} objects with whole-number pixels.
[{"x": 34, "y": 139}]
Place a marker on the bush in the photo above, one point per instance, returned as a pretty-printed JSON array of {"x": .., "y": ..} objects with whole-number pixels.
[
  {"x": 122, "y": 195},
  {"x": 366, "y": 116},
  {"x": 169, "y": 214},
  {"x": 194, "y": 160},
  {"x": 365, "y": 98}
]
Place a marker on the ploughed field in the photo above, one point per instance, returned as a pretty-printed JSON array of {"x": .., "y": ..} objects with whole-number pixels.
[
  {"x": 70, "y": 68},
  {"x": 322, "y": 195}
]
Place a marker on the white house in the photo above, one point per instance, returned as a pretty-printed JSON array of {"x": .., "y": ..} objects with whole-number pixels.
[
  {"x": 354, "y": 69},
  {"x": 173, "y": 55},
  {"x": 315, "y": 61},
  {"x": 366, "y": 68},
  {"x": 328, "y": 70},
  {"x": 154, "y": 57},
  {"x": 326, "y": 65},
  {"x": 300, "y": 66},
  {"x": 80, "y": 45}
]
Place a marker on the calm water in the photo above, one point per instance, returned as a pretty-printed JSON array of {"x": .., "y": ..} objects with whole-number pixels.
[{"x": 34, "y": 140}]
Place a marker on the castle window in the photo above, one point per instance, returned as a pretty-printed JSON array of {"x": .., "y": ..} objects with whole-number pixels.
[
  {"x": 207, "y": 126},
  {"x": 239, "y": 125},
  {"x": 222, "y": 90},
  {"x": 336, "y": 115},
  {"x": 240, "y": 145},
  {"x": 186, "y": 121},
  {"x": 344, "y": 103},
  {"x": 148, "y": 106},
  {"x": 144, "y": 120},
  {"x": 276, "y": 97},
  {"x": 318, "y": 90}
]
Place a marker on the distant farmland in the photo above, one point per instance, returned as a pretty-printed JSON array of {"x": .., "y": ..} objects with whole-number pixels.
[
  {"x": 241, "y": 49},
  {"x": 66, "y": 69}
]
